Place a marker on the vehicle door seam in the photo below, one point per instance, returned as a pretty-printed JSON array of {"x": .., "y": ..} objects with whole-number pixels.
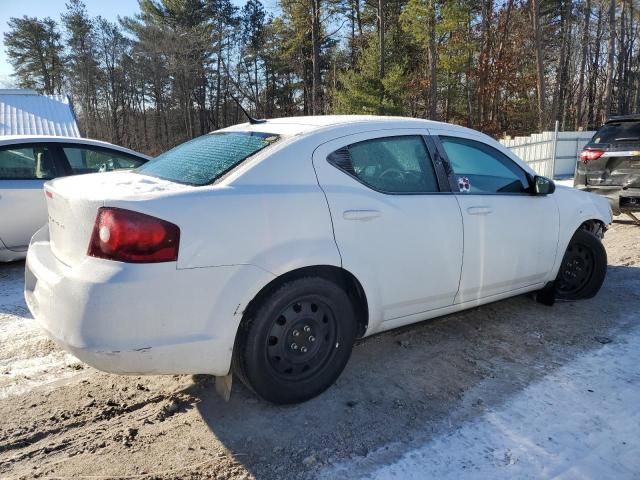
[
  {"x": 326, "y": 199},
  {"x": 462, "y": 257}
]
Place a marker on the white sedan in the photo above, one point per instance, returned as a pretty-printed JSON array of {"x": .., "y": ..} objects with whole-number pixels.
[
  {"x": 27, "y": 162},
  {"x": 266, "y": 249}
]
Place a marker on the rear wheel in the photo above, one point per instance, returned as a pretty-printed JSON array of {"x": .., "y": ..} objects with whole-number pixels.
[
  {"x": 583, "y": 267},
  {"x": 297, "y": 341}
]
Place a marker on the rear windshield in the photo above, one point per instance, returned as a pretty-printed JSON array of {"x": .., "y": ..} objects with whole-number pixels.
[
  {"x": 203, "y": 160},
  {"x": 618, "y": 132}
]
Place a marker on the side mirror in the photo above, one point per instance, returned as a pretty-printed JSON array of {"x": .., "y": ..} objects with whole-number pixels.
[{"x": 543, "y": 185}]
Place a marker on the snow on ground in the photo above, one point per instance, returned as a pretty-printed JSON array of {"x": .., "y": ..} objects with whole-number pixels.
[
  {"x": 582, "y": 421},
  {"x": 567, "y": 182},
  {"x": 27, "y": 357}
]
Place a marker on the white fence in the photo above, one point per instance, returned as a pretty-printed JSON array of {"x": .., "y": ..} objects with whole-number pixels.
[{"x": 552, "y": 154}]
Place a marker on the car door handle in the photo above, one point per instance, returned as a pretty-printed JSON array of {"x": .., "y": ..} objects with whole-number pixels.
[
  {"x": 479, "y": 210},
  {"x": 362, "y": 215}
]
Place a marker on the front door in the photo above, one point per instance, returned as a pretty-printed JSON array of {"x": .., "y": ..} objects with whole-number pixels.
[
  {"x": 398, "y": 230},
  {"x": 510, "y": 235}
]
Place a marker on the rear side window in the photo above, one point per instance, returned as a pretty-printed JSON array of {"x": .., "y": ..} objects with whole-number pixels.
[
  {"x": 27, "y": 163},
  {"x": 390, "y": 165},
  {"x": 203, "y": 160},
  {"x": 618, "y": 132},
  {"x": 89, "y": 160}
]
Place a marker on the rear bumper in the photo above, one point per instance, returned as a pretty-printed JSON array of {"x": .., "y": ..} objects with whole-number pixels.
[
  {"x": 137, "y": 319},
  {"x": 621, "y": 199}
]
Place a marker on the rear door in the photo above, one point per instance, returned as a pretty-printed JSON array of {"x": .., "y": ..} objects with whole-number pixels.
[
  {"x": 23, "y": 170},
  {"x": 397, "y": 226},
  {"x": 510, "y": 236}
]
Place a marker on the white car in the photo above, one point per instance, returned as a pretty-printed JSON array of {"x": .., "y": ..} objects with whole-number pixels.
[
  {"x": 266, "y": 249},
  {"x": 27, "y": 162}
]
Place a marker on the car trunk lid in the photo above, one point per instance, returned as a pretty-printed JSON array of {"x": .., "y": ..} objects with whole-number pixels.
[{"x": 73, "y": 203}]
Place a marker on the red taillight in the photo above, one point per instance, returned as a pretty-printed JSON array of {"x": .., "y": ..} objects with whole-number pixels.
[
  {"x": 589, "y": 155},
  {"x": 133, "y": 237}
]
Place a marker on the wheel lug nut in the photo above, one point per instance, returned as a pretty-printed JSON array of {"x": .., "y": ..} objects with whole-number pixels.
[
  {"x": 303, "y": 349},
  {"x": 295, "y": 333},
  {"x": 294, "y": 346},
  {"x": 307, "y": 328},
  {"x": 311, "y": 338}
]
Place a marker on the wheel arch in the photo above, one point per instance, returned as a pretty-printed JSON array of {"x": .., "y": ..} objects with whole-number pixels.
[
  {"x": 339, "y": 275},
  {"x": 592, "y": 224},
  {"x": 595, "y": 226}
]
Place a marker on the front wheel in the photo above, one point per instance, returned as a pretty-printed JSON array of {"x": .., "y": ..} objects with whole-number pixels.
[
  {"x": 297, "y": 341},
  {"x": 583, "y": 267}
]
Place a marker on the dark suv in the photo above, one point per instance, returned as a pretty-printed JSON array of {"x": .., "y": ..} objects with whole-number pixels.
[{"x": 610, "y": 164}]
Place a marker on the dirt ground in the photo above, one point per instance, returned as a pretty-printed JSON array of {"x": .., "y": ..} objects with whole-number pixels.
[{"x": 61, "y": 419}]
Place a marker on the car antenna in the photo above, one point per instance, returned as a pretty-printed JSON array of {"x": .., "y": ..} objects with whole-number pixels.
[{"x": 252, "y": 121}]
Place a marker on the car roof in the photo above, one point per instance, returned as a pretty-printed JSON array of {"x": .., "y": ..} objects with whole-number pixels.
[
  {"x": 290, "y": 126},
  {"x": 623, "y": 118},
  {"x": 19, "y": 139}
]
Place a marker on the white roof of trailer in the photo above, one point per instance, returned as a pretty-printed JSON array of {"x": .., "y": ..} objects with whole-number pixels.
[{"x": 26, "y": 112}]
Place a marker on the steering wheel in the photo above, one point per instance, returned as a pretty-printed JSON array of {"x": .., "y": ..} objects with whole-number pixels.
[{"x": 394, "y": 173}]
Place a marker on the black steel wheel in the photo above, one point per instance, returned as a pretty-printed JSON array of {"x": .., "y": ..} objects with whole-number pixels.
[
  {"x": 583, "y": 267},
  {"x": 302, "y": 338},
  {"x": 297, "y": 342}
]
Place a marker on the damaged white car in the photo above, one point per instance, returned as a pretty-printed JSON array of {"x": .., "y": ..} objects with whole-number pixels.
[{"x": 267, "y": 248}]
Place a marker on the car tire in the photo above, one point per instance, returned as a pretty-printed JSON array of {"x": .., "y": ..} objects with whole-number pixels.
[
  {"x": 297, "y": 340},
  {"x": 583, "y": 267}
]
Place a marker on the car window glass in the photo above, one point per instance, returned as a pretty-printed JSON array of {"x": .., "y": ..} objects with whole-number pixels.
[
  {"x": 392, "y": 164},
  {"x": 88, "y": 160},
  {"x": 618, "y": 132},
  {"x": 27, "y": 163},
  {"x": 479, "y": 168},
  {"x": 205, "y": 159}
]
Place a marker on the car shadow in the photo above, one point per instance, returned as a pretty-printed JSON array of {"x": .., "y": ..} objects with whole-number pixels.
[
  {"x": 11, "y": 289},
  {"x": 417, "y": 382}
]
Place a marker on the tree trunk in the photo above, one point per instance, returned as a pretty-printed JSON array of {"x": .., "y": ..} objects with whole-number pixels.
[
  {"x": 540, "y": 84},
  {"x": 381, "y": 38},
  {"x": 610, "y": 62},
  {"x": 595, "y": 65},
  {"x": 315, "y": 59},
  {"x": 433, "y": 61},
  {"x": 583, "y": 62},
  {"x": 487, "y": 13}
]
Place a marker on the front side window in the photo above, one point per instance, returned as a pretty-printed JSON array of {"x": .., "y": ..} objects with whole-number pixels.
[
  {"x": 203, "y": 160},
  {"x": 27, "y": 163},
  {"x": 89, "y": 160},
  {"x": 481, "y": 169},
  {"x": 391, "y": 165}
]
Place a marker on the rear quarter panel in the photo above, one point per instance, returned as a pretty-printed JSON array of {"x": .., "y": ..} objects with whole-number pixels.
[{"x": 270, "y": 213}]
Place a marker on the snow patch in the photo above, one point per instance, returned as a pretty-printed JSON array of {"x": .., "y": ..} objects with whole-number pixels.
[
  {"x": 581, "y": 421},
  {"x": 28, "y": 358}
]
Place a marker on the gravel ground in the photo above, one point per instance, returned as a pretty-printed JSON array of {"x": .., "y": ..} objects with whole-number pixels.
[{"x": 408, "y": 387}]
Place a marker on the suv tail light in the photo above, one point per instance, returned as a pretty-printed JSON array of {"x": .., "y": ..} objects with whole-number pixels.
[
  {"x": 133, "y": 237},
  {"x": 589, "y": 155}
]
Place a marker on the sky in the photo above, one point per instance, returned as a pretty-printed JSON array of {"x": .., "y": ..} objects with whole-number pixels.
[{"x": 109, "y": 9}]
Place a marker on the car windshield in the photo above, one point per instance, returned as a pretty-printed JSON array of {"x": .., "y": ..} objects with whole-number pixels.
[
  {"x": 203, "y": 160},
  {"x": 618, "y": 132}
]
